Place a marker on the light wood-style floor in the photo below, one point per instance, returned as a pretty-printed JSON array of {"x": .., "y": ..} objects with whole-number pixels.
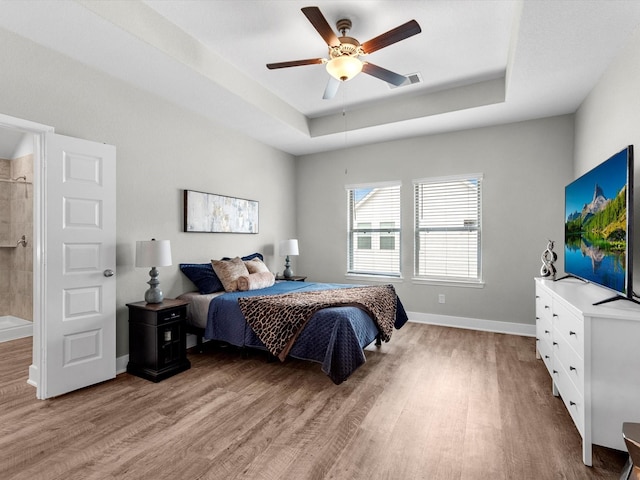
[{"x": 434, "y": 403}]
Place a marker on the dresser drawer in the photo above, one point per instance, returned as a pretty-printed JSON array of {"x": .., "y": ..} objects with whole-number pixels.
[
  {"x": 543, "y": 304},
  {"x": 573, "y": 400},
  {"x": 171, "y": 314},
  {"x": 570, "y": 327},
  {"x": 544, "y": 329},
  {"x": 544, "y": 349},
  {"x": 569, "y": 359}
]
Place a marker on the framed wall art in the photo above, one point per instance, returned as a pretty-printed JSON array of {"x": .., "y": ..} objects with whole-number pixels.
[{"x": 211, "y": 213}]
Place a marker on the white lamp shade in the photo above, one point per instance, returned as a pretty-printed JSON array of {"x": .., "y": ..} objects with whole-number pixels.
[
  {"x": 344, "y": 68},
  {"x": 288, "y": 247},
  {"x": 153, "y": 253}
]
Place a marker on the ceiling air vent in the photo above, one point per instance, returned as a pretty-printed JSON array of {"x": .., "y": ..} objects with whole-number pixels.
[{"x": 412, "y": 79}]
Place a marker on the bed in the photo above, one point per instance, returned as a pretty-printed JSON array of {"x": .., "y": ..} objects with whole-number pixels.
[{"x": 334, "y": 336}]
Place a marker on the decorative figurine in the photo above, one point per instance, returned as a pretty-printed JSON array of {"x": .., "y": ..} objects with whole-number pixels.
[{"x": 548, "y": 258}]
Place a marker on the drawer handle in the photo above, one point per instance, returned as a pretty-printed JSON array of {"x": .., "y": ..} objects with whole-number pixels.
[
  {"x": 537, "y": 296},
  {"x": 555, "y": 343},
  {"x": 572, "y": 333},
  {"x": 547, "y": 306},
  {"x": 555, "y": 371},
  {"x": 573, "y": 404},
  {"x": 537, "y": 318},
  {"x": 547, "y": 331},
  {"x": 547, "y": 356},
  {"x": 572, "y": 368},
  {"x": 555, "y": 314}
]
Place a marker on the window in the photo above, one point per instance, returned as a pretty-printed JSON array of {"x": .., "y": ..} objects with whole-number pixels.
[
  {"x": 364, "y": 236},
  {"x": 387, "y": 239},
  {"x": 448, "y": 228},
  {"x": 374, "y": 229}
]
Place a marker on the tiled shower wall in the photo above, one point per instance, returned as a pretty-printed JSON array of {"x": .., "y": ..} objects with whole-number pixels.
[{"x": 16, "y": 219}]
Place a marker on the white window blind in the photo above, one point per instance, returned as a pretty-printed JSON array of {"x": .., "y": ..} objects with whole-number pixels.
[
  {"x": 374, "y": 229},
  {"x": 448, "y": 228}
]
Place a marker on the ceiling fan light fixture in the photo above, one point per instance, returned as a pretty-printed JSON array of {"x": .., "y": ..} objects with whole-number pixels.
[
  {"x": 343, "y": 63},
  {"x": 344, "y": 68}
]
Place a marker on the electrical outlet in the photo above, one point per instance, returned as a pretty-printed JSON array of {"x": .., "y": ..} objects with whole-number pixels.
[{"x": 441, "y": 298}]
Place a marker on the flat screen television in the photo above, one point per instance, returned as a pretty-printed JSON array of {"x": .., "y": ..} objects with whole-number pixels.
[{"x": 598, "y": 225}]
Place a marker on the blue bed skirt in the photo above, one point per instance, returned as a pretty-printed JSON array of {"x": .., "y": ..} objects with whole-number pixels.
[{"x": 334, "y": 337}]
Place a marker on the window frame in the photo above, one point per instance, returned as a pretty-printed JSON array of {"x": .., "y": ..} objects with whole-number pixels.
[
  {"x": 460, "y": 280},
  {"x": 352, "y": 233}
]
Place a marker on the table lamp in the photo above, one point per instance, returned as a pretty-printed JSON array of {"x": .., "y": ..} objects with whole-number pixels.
[
  {"x": 288, "y": 247},
  {"x": 153, "y": 253}
]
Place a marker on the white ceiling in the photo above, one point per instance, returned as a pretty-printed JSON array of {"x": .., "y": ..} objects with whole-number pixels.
[{"x": 482, "y": 62}]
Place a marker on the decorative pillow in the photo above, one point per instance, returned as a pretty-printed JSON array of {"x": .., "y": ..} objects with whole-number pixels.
[
  {"x": 255, "y": 281},
  {"x": 247, "y": 257},
  {"x": 252, "y": 256},
  {"x": 203, "y": 276},
  {"x": 256, "y": 266},
  {"x": 228, "y": 271}
]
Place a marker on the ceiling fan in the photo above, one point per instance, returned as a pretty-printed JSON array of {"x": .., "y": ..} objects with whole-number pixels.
[{"x": 343, "y": 63}]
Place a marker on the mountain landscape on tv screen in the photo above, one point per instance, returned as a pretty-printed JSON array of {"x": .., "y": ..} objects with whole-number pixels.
[
  {"x": 603, "y": 221},
  {"x": 596, "y": 240}
]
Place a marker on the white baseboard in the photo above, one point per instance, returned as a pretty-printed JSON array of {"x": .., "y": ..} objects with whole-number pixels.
[
  {"x": 14, "y": 328},
  {"x": 33, "y": 376},
  {"x": 121, "y": 364},
  {"x": 511, "y": 328},
  {"x": 192, "y": 340}
]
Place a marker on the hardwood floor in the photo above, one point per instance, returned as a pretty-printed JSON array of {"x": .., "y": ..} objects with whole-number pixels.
[{"x": 434, "y": 403}]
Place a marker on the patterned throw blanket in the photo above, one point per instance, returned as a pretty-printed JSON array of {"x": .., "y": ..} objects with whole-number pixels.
[{"x": 278, "y": 319}]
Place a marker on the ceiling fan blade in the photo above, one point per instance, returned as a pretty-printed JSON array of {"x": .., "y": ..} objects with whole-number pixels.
[
  {"x": 321, "y": 25},
  {"x": 383, "y": 74},
  {"x": 331, "y": 89},
  {"x": 295, "y": 63},
  {"x": 405, "y": 30}
]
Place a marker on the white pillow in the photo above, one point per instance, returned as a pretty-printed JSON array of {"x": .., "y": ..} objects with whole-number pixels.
[
  {"x": 255, "y": 281},
  {"x": 255, "y": 265}
]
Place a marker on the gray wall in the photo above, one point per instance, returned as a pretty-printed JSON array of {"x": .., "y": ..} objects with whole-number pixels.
[
  {"x": 525, "y": 166},
  {"x": 609, "y": 120},
  {"x": 161, "y": 149}
]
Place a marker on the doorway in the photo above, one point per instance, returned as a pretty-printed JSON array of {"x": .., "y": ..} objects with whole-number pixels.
[
  {"x": 74, "y": 187},
  {"x": 16, "y": 234},
  {"x": 10, "y": 126}
]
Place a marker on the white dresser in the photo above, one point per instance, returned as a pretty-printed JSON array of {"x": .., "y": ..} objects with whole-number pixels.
[{"x": 593, "y": 356}]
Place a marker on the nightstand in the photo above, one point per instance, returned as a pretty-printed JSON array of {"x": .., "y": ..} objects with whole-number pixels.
[
  {"x": 294, "y": 278},
  {"x": 157, "y": 339}
]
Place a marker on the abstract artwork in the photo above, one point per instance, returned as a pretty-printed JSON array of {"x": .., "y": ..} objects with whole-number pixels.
[{"x": 208, "y": 212}]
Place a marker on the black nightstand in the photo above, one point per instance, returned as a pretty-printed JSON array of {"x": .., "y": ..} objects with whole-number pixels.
[
  {"x": 294, "y": 278},
  {"x": 157, "y": 339}
]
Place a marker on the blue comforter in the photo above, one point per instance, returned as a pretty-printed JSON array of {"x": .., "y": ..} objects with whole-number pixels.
[{"x": 334, "y": 337}]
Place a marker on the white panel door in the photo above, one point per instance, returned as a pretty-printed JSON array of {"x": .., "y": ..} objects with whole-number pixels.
[{"x": 79, "y": 326}]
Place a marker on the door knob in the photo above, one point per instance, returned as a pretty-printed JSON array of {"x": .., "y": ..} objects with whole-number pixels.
[{"x": 108, "y": 273}]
